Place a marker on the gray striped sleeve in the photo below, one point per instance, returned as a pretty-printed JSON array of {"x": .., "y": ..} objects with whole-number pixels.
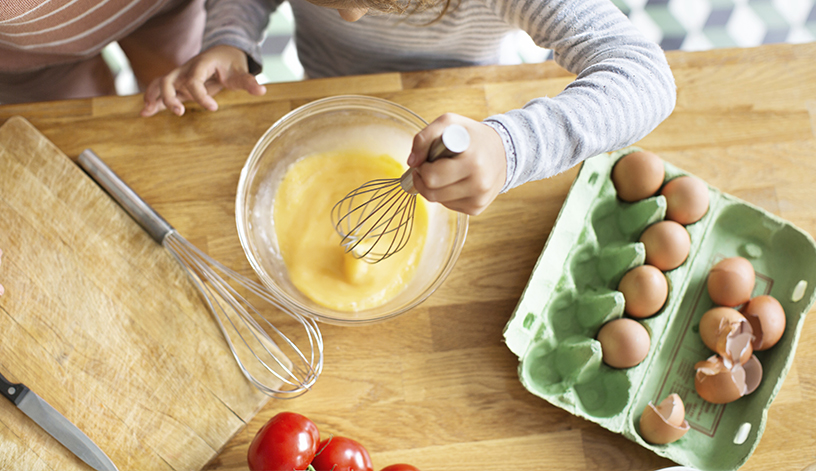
[
  {"x": 623, "y": 90},
  {"x": 239, "y": 23}
]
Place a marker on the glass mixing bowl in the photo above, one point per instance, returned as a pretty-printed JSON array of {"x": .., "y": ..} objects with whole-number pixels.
[{"x": 326, "y": 125}]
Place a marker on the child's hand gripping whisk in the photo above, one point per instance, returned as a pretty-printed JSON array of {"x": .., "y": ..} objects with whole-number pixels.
[{"x": 376, "y": 219}]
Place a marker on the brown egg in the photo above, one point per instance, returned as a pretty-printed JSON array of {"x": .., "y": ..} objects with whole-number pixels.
[
  {"x": 638, "y": 175},
  {"x": 717, "y": 383},
  {"x": 727, "y": 332},
  {"x": 665, "y": 423},
  {"x": 645, "y": 290},
  {"x": 667, "y": 244},
  {"x": 731, "y": 281},
  {"x": 686, "y": 199},
  {"x": 767, "y": 319},
  {"x": 624, "y": 343}
]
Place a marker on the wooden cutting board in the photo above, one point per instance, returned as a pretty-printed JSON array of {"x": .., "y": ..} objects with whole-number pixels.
[{"x": 102, "y": 323}]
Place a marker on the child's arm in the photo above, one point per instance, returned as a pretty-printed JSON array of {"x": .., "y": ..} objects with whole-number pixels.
[
  {"x": 624, "y": 88},
  {"x": 468, "y": 182}
]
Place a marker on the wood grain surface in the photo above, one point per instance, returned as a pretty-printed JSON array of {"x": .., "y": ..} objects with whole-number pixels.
[
  {"x": 102, "y": 323},
  {"x": 436, "y": 387}
]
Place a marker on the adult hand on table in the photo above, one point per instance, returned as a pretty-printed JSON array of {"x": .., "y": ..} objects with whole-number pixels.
[
  {"x": 199, "y": 79},
  {"x": 467, "y": 182}
]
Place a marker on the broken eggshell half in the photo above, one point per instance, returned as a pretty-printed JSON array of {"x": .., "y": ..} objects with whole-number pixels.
[
  {"x": 727, "y": 332},
  {"x": 719, "y": 383},
  {"x": 665, "y": 423},
  {"x": 767, "y": 319}
]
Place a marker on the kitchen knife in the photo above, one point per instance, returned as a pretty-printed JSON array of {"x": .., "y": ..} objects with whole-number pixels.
[{"x": 56, "y": 425}]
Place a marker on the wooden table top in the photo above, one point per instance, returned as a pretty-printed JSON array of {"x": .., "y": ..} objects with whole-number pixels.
[{"x": 437, "y": 387}]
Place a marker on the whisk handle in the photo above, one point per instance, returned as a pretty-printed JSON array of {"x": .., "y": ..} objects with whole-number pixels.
[
  {"x": 140, "y": 211},
  {"x": 454, "y": 140}
]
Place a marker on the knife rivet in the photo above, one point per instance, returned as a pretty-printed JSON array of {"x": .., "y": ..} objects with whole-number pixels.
[{"x": 12, "y": 390}]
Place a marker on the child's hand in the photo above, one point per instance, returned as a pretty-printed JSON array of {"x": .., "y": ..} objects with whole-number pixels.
[
  {"x": 468, "y": 182},
  {"x": 199, "y": 79}
]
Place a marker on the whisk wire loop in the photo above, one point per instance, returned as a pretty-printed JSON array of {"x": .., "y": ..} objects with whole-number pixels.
[
  {"x": 363, "y": 225},
  {"x": 376, "y": 220},
  {"x": 223, "y": 299}
]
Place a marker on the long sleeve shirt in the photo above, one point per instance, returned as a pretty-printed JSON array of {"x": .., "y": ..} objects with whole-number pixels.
[{"x": 624, "y": 87}]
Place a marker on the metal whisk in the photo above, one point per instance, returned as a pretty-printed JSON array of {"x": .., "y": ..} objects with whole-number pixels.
[
  {"x": 375, "y": 220},
  {"x": 280, "y": 369}
]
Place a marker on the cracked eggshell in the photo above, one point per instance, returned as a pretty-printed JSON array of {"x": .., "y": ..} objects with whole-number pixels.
[
  {"x": 665, "y": 423},
  {"x": 718, "y": 383},
  {"x": 767, "y": 319},
  {"x": 727, "y": 332},
  {"x": 731, "y": 281}
]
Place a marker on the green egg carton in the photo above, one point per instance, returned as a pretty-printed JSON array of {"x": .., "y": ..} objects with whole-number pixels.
[{"x": 572, "y": 293}]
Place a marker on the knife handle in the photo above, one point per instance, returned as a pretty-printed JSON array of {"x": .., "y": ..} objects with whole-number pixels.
[
  {"x": 139, "y": 210},
  {"x": 14, "y": 392}
]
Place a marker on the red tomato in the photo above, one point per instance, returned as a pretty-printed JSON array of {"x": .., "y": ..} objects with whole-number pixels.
[
  {"x": 341, "y": 454},
  {"x": 400, "y": 467},
  {"x": 287, "y": 442}
]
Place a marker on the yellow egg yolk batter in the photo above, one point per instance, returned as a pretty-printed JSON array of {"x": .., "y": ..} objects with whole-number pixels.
[{"x": 318, "y": 265}]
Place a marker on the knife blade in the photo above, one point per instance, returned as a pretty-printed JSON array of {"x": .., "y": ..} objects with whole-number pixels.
[{"x": 56, "y": 425}]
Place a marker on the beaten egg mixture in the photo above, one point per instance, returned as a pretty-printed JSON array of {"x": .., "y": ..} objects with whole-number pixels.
[{"x": 318, "y": 265}]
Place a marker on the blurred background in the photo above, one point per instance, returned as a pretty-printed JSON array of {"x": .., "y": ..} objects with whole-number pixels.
[{"x": 689, "y": 25}]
